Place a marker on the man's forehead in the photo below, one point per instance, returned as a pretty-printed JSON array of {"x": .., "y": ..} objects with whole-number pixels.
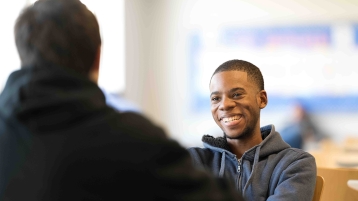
[{"x": 231, "y": 79}]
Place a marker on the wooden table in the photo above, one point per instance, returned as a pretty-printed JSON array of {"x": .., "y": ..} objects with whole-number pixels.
[
  {"x": 329, "y": 154},
  {"x": 353, "y": 184}
]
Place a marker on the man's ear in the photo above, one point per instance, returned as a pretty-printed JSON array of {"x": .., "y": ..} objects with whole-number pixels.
[
  {"x": 262, "y": 99},
  {"x": 94, "y": 72},
  {"x": 97, "y": 59}
]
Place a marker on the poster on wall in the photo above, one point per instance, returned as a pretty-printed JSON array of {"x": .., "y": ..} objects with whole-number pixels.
[{"x": 316, "y": 65}]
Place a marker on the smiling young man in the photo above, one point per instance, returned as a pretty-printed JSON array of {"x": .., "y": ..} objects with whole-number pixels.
[{"x": 257, "y": 160}]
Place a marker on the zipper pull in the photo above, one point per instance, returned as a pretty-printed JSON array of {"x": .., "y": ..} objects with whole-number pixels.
[{"x": 239, "y": 166}]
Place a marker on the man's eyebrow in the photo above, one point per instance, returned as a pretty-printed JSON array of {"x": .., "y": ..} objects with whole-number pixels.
[
  {"x": 237, "y": 89},
  {"x": 231, "y": 90},
  {"x": 214, "y": 93}
]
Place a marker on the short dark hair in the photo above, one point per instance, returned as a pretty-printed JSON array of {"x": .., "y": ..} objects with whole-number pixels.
[
  {"x": 252, "y": 71},
  {"x": 61, "y": 32}
]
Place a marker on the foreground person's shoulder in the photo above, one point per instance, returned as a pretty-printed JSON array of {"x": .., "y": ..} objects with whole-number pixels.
[{"x": 138, "y": 123}]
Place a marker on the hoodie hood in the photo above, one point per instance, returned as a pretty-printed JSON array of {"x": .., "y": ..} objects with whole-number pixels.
[
  {"x": 268, "y": 146},
  {"x": 49, "y": 98}
]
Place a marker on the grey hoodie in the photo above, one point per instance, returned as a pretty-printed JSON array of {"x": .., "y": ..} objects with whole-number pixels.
[{"x": 271, "y": 170}]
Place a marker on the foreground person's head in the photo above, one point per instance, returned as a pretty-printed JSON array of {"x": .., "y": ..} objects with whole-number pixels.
[{"x": 60, "y": 32}]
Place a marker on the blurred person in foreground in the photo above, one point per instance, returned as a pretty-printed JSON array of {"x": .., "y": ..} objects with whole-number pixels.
[
  {"x": 256, "y": 160},
  {"x": 58, "y": 138}
]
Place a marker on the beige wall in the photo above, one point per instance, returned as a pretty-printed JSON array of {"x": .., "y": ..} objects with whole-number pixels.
[{"x": 155, "y": 60}]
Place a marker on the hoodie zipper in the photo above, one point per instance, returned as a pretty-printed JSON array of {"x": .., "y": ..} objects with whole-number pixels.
[
  {"x": 239, "y": 166},
  {"x": 239, "y": 171}
]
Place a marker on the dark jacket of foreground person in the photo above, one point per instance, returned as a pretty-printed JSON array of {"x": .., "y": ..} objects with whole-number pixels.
[
  {"x": 60, "y": 141},
  {"x": 271, "y": 170}
]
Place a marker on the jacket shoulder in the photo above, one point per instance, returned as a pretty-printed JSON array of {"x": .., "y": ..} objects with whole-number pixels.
[
  {"x": 200, "y": 152},
  {"x": 200, "y": 156},
  {"x": 296, "y": 154},
  {"x": 137, "y": 124},
  {"x": 298, "y": 161}
]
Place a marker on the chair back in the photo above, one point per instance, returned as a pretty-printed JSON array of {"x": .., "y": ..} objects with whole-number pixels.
[
  {"x": 318, "y": 189},
  {"x": 335, "y": 184}
]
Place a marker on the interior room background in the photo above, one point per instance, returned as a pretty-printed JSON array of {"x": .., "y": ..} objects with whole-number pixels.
[{"x": 160, "y": 54}]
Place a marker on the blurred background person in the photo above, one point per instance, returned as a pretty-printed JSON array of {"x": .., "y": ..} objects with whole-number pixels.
[{"x": 301, "y": 131}]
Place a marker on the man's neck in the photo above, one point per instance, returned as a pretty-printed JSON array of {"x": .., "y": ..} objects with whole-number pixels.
[{"x": 239, "y": 146}]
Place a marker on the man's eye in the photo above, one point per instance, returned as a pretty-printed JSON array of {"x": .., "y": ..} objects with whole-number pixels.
[
  {"x": 236, "y": 95},
  {"x": 214, "y": 99}
]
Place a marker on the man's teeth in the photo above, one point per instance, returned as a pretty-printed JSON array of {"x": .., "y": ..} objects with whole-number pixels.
[{"x": 229, "y": 119}]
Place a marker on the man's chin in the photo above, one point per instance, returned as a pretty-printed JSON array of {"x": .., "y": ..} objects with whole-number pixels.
[
  {"x": 232, "y": 135},
  {"x": 238, "y": 135}
]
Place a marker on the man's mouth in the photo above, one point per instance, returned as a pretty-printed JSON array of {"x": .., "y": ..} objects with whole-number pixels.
[{"x": 230, "y": 119}]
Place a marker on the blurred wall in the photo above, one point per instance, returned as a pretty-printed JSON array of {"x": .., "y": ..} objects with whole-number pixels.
[
  {"x": 157, "y": 73},
  {"x": 155, "y": 61}
]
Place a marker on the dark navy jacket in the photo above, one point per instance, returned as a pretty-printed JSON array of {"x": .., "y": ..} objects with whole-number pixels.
[{"x": 60, "y": 141}]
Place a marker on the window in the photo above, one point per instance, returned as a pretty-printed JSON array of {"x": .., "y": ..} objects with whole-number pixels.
[{"x": 110, "y": 15}]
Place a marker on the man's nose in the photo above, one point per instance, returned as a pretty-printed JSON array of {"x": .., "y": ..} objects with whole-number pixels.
[{"x": 227, "y": 104}]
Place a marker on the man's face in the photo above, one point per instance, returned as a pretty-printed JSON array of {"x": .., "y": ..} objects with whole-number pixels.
[{"x": 236, "y": 103}]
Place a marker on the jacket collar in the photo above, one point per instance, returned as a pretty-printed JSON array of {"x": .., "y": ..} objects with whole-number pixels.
[{"x": 272, "y": 142}]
